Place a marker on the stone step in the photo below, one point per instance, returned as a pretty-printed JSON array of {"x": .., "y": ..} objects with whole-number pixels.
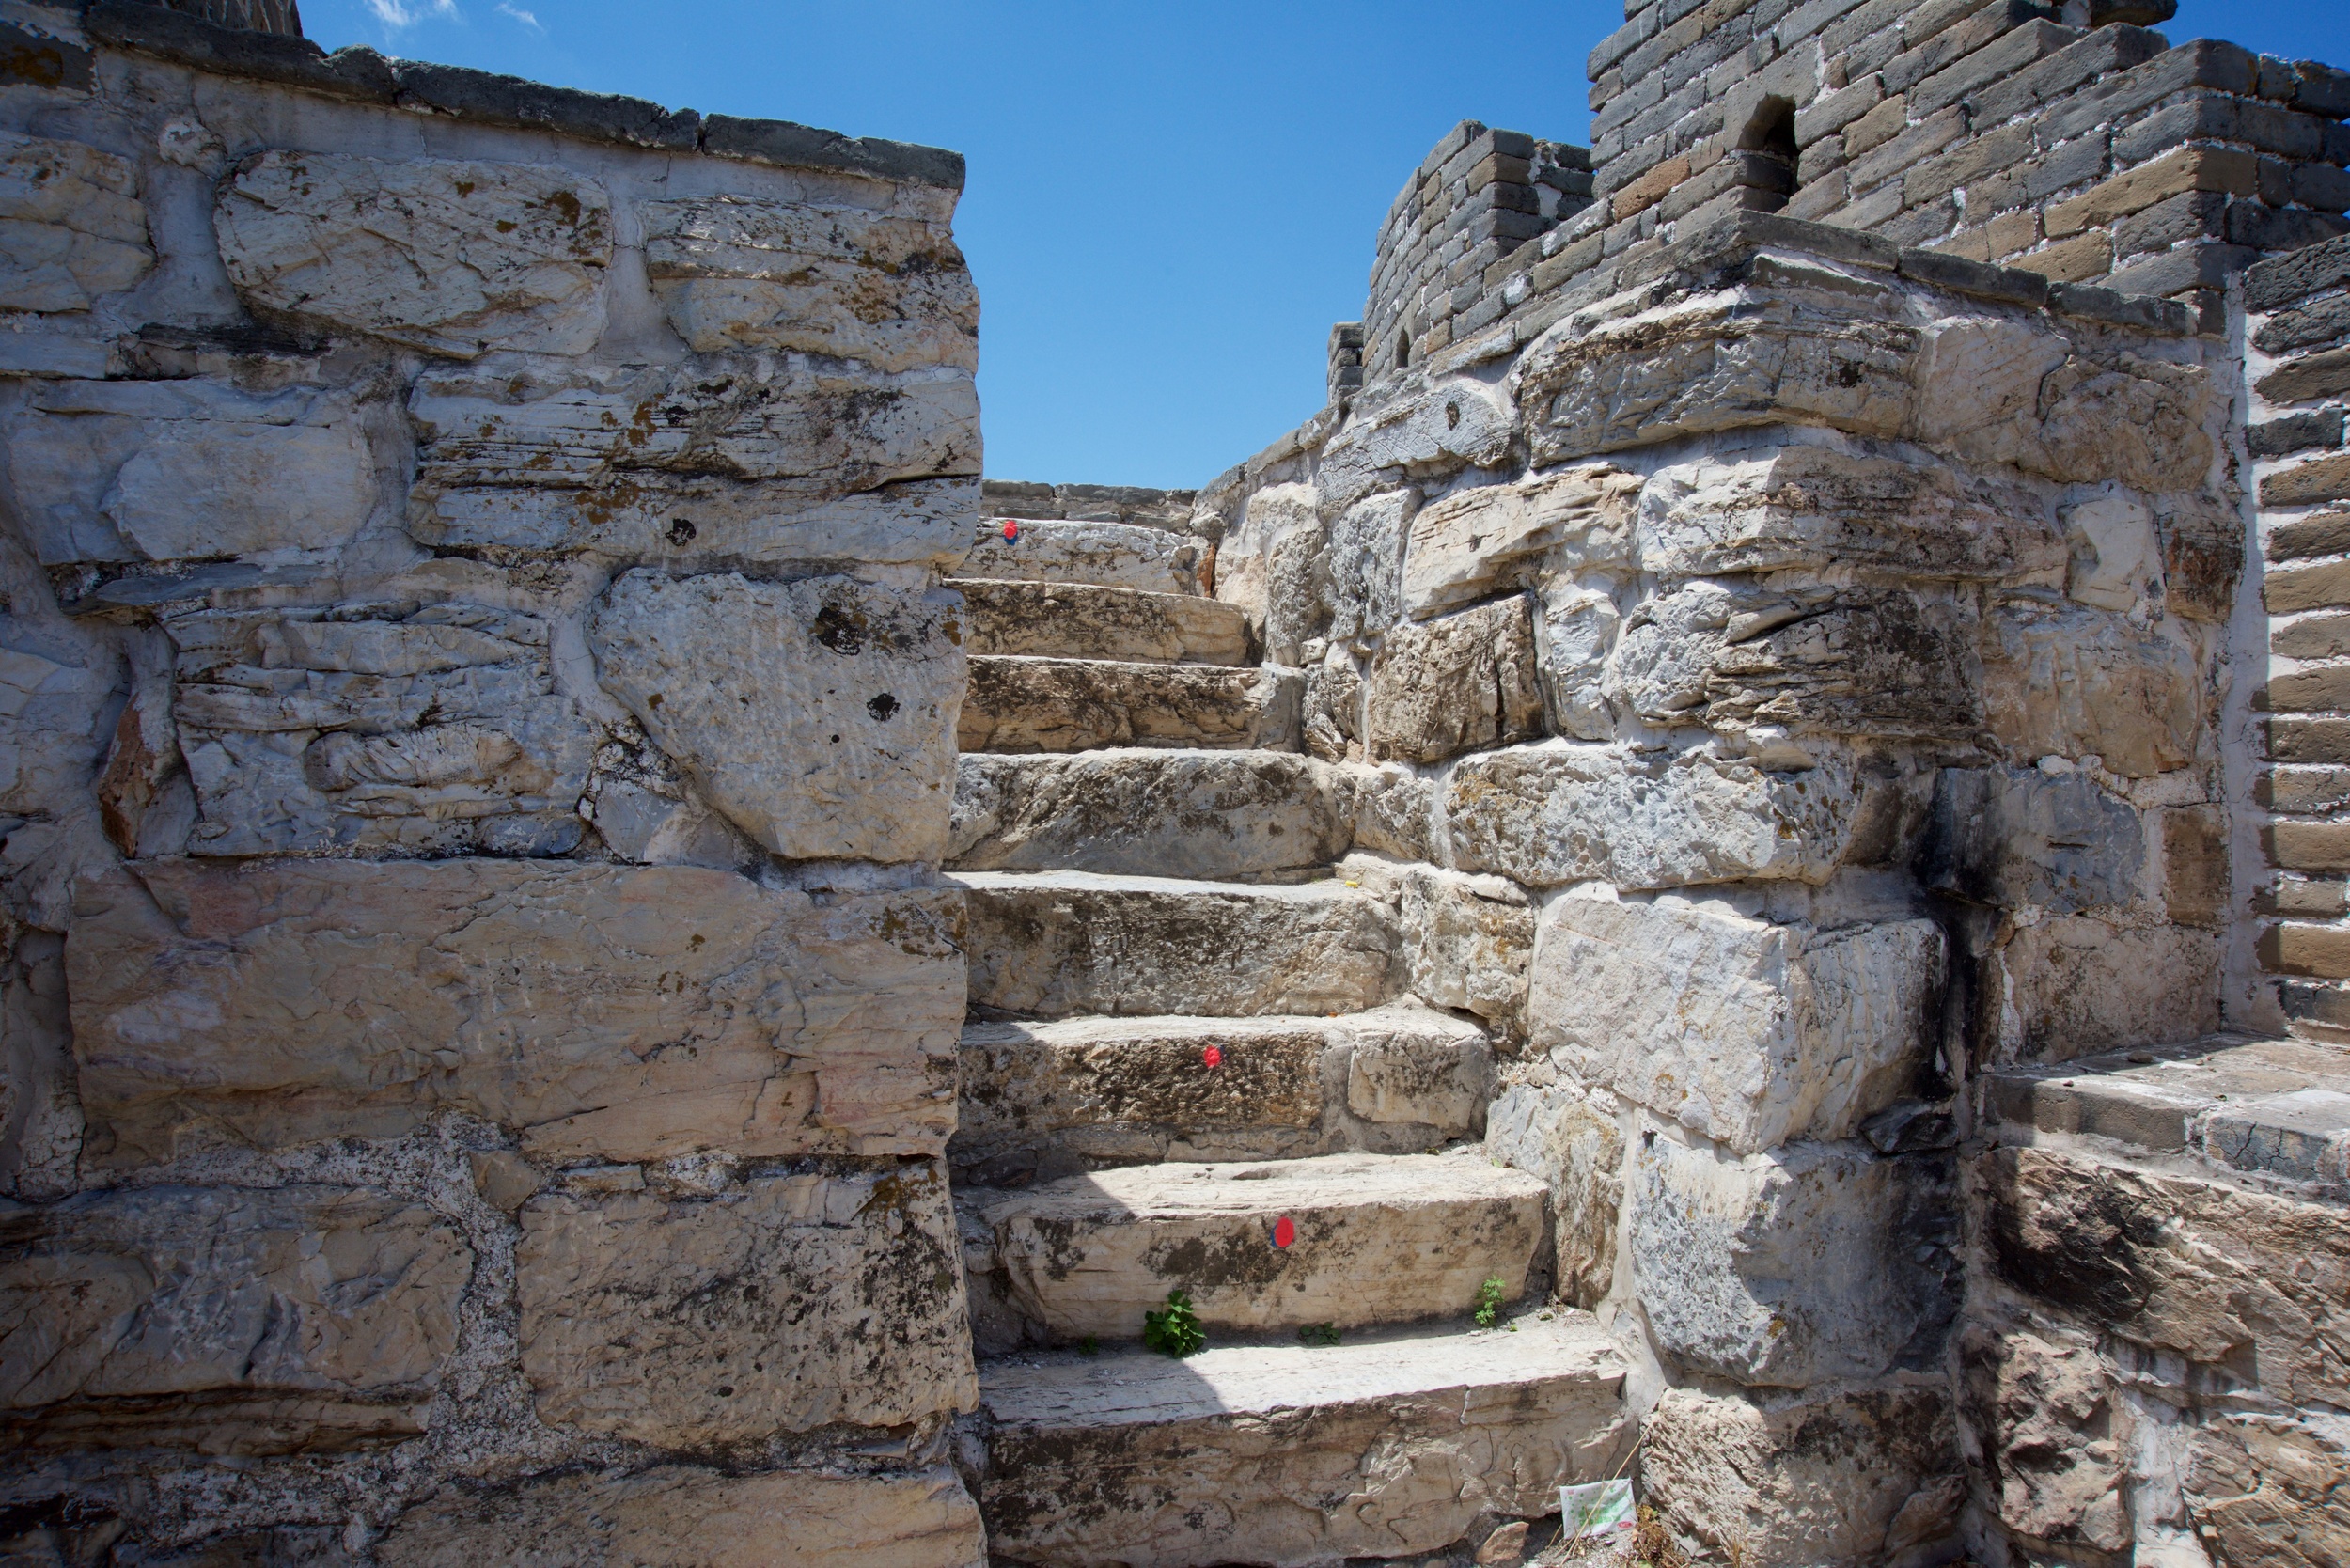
[
  {"x": 1150, "y": 811},
  {"x": 1084, "y": 620},
  {"x": 1384, "y": 1446},
  {"x": 1109, "y": 554},
  {"x": 1373, "y": 1239},
  {"x": 1043, "y": 1101},
  {"x": 1016, "y": 703},
  {"x": 1056, "y": 944}
]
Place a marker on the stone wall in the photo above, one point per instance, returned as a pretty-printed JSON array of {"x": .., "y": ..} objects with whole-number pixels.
[{"x": 480, "y": 1011}]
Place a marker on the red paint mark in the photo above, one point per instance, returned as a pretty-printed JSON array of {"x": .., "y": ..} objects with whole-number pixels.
[
  {"x": 1012, "y": 529},
  {"x": 1212, "y": 1056},
  {"x": 1284, "y": 1231}
]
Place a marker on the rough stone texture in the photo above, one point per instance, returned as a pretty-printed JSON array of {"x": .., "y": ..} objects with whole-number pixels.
[
  {"x": 782, "y": 1305},
  {"x": 1059, "y": 942},
  {"x": 2270, "y": 1490},
  {"x": 808, "y": 278},
  {"x": 1082, "y": 621},
  {"x": 227, "y": 1320},
  {"x": 1027, "y": 705},
  {"x": 2044, "y": 1415},
  {"x": 1109, "y": 554},
  {"x": 1791, "y": 1268},
  {"x": 1378, "y": 1239},
  {"x": 2076, "y": 682},
  {"x": 1275, "y": 563},
  {"x": 1575, "y": 1145},
  {"x": 1746, "y": 1031},
  {"x": 307, "y": 999},
  {"x": 673, "y": 1516},
  {"x": 1460, "y": 547},
  {"x": 72, "y": 225},
  {"x": 1838, "y": 1480},
  {"x": 843, "y": 752},
  {"x": 1557, "y": 813},
  {"x": 453, "y": 257},
  {"x": 1468, "y": 943},
  {"x": 2081, "y": 986},
  {"x": 1160, "y": 1464},
  {"x": 1460, "y": 683},
  {"x": 1416, "y": 1067},
  {"x": 1148, "y": 812}
]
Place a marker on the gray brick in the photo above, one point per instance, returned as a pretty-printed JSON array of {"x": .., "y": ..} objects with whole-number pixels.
[
  {"x": 2193, "y": 267},
  {"x": 1874, "y": 17},
  {"x": 2109, "y": 305},
  {"x": 1919, "y": 142},
  {"x": 2010, "y": 53},
  {"x": 2308, "y": 327},
  {"x": 2324, "y": 91},
  {"x": 2203, "y": 63},
  {"x": 1806, "y": 20},
  {"x": 2106, "y": 50},
  {"x": 2012, "y": 285},
  {"x": 2321, "y": 186},
  {"x": 1966, "y": 162},
  {"x": 2265, "y": 227},
  {"x": 2205, "y": 118},
  {"x": 1831, "y": 112},
  {"x": 2295, "y": 432},
  {"x": 2285, "y": 132},
  {"x": 2189, "y": 215},
  {"x": 1625, "y": 39},
  {"x": 1920, "y": 226}
]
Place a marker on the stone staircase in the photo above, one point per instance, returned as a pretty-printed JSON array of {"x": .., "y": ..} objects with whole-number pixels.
[{"x": 1191, "y": 1065}]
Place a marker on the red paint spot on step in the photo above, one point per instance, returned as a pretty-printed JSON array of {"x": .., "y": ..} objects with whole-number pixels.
[
  {"x": 1011, "y": 531},
  {"x": 1284, "y": 1231},
  {"x": 1212, "y": 1056}
]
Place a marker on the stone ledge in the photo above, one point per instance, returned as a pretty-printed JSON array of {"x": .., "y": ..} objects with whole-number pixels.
[{"x": 489, "y": 99}]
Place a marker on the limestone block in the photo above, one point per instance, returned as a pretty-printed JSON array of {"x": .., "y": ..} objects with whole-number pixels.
[
  {"x": 1394, "y": 811},
  {"x": 1148, "y": 811},
  {"x": 765, "y": 459},
  {"x": 1578, "y": 632},
  {"x": 1554, "y": 813},
  {"x": 2011, "y": 838},
  {"x": 1746, "y": 1031},
  {"x": 1366, "y": 565},
  {"x": 2075, "y": 682},
  {"x": 2045, "y": 1418},
  {"x": 170, "y": 470},
  {"x": 1458, "y": 684},
  {"x": 72, "y": 224},
  {"x": 1274, "y": 564},
  {"x": 1061, "y": 943},
  {"x": 1573, "y": 1143},
  {"x": 1108, "y": 554},
  {"x": 2271, "y": 1492},
  {"x": 676, "y": 1516},
  {"x": 2116, "y": 559},
  {"x": 781, "y": 1304},
  {"x": 1377, "y": 1238},
  {"x": 379, "y": 727},
  {"x": 451, "y": 256},
  {"x": 1463, "y": 547},
  {"x": 602, "y": 1011},
  {"x": 2006, "y": 391},
  {"x": 1332, "y": 705},
  {"x": 1467, "y": 943},
  {"x": 2247, "y": 1284},
  {"x": 812, "y": 278},
  {"x": 229, "y": 1320},
  {"x": 2077, "y": 986},
  {"x": 1416, "y": 1067},
  {"x": 817, "y": 716},
  {"x": 1027, "y": 705},
  {"x": 1811, "y": 1263},
  {"x": 52, "y": 695},
  {"x": 1807, "y": 507},
  {"x": 1843, "y": 1480},
  {"x": 1084, "y": 620},
  {"x": 1423, "y": 430}
]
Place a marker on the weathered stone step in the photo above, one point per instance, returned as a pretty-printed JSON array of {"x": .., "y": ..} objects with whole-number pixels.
[
  {"x": 1023, "y": 704},
  {"x": 1150, "y": 811},
  {"x": 1384, "y": 1446},
  {"x": 1112, "y": 555},
  {"x": 1084, "y": 620},
  {"x": 1370, "y": 1239},
  {"x": 1042, "y": 1101},
  {"x": 1055, "y": 944}
]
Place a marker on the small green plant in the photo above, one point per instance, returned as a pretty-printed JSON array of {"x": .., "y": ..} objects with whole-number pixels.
[
  {"x": 1320, "y": 1334},
  {"x": 1174, "y": 1331},
  {"x": 1088, "y": 1346},
  {"x": 1489, "y": 1296}
]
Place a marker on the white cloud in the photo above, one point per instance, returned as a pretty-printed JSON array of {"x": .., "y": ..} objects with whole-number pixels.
[
  {"x": 525, "y": 18},
  {"x": 407, "y": 13}
]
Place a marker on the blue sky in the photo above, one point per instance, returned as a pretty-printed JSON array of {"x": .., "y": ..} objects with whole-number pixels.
[{"x": 1169, "y": 205}]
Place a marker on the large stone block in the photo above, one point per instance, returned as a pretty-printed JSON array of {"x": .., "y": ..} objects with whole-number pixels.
[
  {"x": 451, "y": 256},
  {"x": 808, "y": 278},
  {"x": 1749, "y": 1031},
  {"x": 1846, "y": 1480},
  {"x": 1467, "y": 943},
  {"x": 2014, "y": 837},
  {"x": 2247, "y": 1284},
  {"x": 1418, "y": 429},
  {"x": 818, "y": 715},
  {"x": 2269, "y": 1491},
  {"x": 1148, "y": 811},
  {"x": 72, "y": 225},
  {"x": 1085, "y": 620},
  {"x": 1105, "y": 555},
  {"x": 2068, "y": 682},
  {"x": 1561, "y": 1135},
  {"x": 228, "y": 1320},
  {"x": 1366, "y": 565},
  {"x": 380, "y": 727},
  {"x": 1807, "y": 507},
  {"x": 2076, "y": 985},
  {"x": 601, "y": 1011},
  {"x": 736, "y": 457},
  {"x": 2004, "y": 391},
  {"x": 1812, "y": 1263},
  {"x": 54, "y": 694},
  {"x": 2045, "y": 1418},
  {"x": 1458, "y": 684},
  {"x": 1463, "y": 547},
  {"x": 674, "y": 1516},
  {"x": 170, "y": 470},
  {"x": 780, "y": 1305},
  {"x": 1555, "y": 813},
  {"x": 1274, "y": 564},
  {"x": 1018, "y": 705}
]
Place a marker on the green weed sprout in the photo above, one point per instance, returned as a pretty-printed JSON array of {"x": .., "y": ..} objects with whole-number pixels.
[
  {"x": 1176, "y": 1330},
  {"x": 1489, "y": 1302}
]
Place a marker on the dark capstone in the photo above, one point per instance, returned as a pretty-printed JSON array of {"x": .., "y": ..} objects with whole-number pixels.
[
  {"x": 779, "y": 141},
  {"x": 1750, "y": 231},
  {"x": 1910, "y": 1127},
  {"x": 2323, "y": 90},
  {"x": 149, "y": 29},
  {"x": 2295, "y": 432},
  {"x": 150, "y": 592},
  {"x": 2283, "y": 280},
  {"x": 494, "y": 100},
  {"x": 2119, "y": 309},
  {"x": 29, "y": 59},
  {"x": 2135, "y": 13},
  {"x": 2010, "y": 285}
]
